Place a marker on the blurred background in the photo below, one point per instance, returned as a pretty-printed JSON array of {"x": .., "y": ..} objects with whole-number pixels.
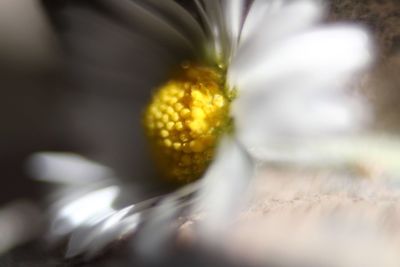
[{"x": 41, "y": 57}]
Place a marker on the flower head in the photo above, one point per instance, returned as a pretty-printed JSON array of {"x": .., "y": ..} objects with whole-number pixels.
[
  {"x": 289, "y": 77},
  {"x": 184, "y": 121},
  {"x": 253, "y": 81}
]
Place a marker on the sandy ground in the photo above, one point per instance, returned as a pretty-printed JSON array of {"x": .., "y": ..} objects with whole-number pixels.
[{"x": 297, "y": 218}]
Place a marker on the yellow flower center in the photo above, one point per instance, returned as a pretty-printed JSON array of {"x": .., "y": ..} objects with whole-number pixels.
[{"x": 184, "y": 120}]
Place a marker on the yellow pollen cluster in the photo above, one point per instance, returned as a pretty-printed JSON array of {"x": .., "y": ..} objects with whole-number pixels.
[{"x": 183, "y": 122}]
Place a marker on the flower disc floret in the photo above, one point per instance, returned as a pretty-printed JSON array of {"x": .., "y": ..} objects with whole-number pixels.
[{"x": 184, "y": 120}]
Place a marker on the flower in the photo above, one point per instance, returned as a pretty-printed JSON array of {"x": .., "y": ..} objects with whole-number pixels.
[{"x": 264, "y": 79}]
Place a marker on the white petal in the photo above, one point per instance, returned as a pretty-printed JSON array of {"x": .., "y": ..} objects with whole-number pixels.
[
  {"x": 150, "y": 24},
  {"x": 375, "y": 151},
  {"x": 103, "y": 226},
  {"x": 117, "y": 56},
  {"x": 152, "y": 240},
  {"x": 180, "y": 18},
  {"x": 66, "y": 168},
  {"x": 320, "y": 56},
  {"x": 234, "y": 12},
  {"x": 298, "y": 95},
  {"x": 267, "y": 23},
  {"x": 20, "y": 222},
  {"x": 90, "y": 240},
  {"x": 27, "y": 40},
  {"x": 74, "y": 211},
  {"x": 221, "y": 190},
  {"x": 256, "y": 14},
  {"x": 160, "y": 224},
  {"x": 214, "y": 14},
  {"x": 233, "y": 16},
  {"x": 288, "y": 119}
]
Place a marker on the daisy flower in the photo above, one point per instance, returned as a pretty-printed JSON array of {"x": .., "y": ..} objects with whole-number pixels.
[{"x": 244, "y": 82}]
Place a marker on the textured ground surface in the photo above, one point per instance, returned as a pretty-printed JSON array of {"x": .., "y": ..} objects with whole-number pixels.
[
  {"x": 382, "y": 17},
  {"x": 323, "y": 218},
  {"x": 382, "y": 88}
]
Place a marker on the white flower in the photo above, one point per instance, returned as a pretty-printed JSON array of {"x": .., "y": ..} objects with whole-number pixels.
[{"x": 290, "y": 74}]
